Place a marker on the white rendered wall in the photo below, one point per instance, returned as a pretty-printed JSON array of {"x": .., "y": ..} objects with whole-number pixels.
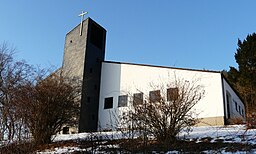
[
  {"x": 119, "y": 79},
  {"x": 234, "y": 98},
  {"x": 110, "y": 87},
  {"x": 135, "y": 77}
]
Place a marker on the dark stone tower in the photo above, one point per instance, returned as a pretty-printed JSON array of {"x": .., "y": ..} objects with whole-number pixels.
[{"x": 83, "y": 55}]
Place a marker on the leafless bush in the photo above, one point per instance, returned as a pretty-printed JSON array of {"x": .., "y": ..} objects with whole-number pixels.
[
  {"x": 165, "y": 113},
  {"x": 32, "y": 102},
  {"x": 48, "y": 105}
]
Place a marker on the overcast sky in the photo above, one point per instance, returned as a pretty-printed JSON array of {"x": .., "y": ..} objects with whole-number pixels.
[{"x": 200, "y": 34}]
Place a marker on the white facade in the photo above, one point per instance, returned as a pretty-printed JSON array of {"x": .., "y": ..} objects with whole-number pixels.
[
  {"x": 126, "y": 79},
  {"x": 233, "y": 104}
]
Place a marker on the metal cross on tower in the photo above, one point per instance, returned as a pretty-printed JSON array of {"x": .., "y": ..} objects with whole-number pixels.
[{"x": 82, "y": 19}]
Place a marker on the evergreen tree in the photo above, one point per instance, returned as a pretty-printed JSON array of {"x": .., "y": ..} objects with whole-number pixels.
[{"x": 244, "y": 77}]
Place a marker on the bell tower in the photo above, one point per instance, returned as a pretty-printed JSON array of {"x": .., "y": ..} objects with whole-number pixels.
[{"x": 84, "y": 52}]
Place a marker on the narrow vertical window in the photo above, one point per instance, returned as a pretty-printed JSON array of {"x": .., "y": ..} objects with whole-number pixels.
[
  {"x": 236, "y": 106},
  {"x": 228, "y": 101}
]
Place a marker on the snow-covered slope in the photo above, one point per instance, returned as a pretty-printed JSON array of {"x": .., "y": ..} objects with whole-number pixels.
[{"x": 226, "y": 134}]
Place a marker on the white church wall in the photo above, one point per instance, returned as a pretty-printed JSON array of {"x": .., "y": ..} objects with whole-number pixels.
[
  {"x": 120, "y": 79},
  {"x": 137, "y": 77},
  {"x": 110, "y": 87},
  {"x": 236, "y": 106}
]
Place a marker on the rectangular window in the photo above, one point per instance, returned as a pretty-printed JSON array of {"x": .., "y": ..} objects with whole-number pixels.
[
  {"x": 172, "y": 94},
  {"x": 236, "y": 106},
  {"x": 122, "y": 100},
  {"x": 154, "y": 96},
  {"x": 137, "y": 99},
  {"x": 108, "y": 103},
  {"x": 65, "y": 130},
  {"x": 239, "y": 109},
  {"x": 93, "y": 117},
  {"x": 228, "y": 101}
]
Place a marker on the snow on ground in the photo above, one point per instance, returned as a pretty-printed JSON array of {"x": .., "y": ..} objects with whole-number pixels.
[
  {"x": 227, "y": 134},
  {"x": 62, "y": 150},
  {"x": 91, "y": 136}
]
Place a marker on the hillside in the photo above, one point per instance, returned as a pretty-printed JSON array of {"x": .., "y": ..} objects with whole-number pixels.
[{"x": 228, "y": 139}]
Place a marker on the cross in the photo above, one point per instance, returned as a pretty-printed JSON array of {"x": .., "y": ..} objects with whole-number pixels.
[{"x": 82, "y": 19}]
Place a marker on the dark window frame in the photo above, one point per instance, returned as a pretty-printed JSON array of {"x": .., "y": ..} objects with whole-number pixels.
[
  {"x": 155, "y": 96},
  {"x": 123, "y": 101},
  {"x": 65, "y": 130},
  {"x": 137, "y": 99},
  {"x": 108, "y": 103},
  {"x": 228, "y": 102},
  {"x": 172, "y": 94},
  {"x": 236, "y": 106}
]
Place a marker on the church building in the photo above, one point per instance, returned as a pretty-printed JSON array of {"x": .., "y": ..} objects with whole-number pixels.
[{"x": 109, "y": 87}]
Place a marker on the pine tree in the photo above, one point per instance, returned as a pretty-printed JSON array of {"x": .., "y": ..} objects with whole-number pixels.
[{"x": 244, "y": 77}]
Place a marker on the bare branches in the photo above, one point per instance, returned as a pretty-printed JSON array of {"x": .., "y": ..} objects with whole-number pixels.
[
  {"x": 166, "y": 111},
  {"x": 32, "y": 103},
  {"x": 12, "y": 74},
  {"x": 49, "y": 105}
]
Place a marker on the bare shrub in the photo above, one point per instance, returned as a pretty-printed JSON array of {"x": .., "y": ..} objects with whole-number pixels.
[
  {"x": 48, "y": 105},
  {"x": 164, "y": 113},
  {"x": 33, "y": 103}
]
